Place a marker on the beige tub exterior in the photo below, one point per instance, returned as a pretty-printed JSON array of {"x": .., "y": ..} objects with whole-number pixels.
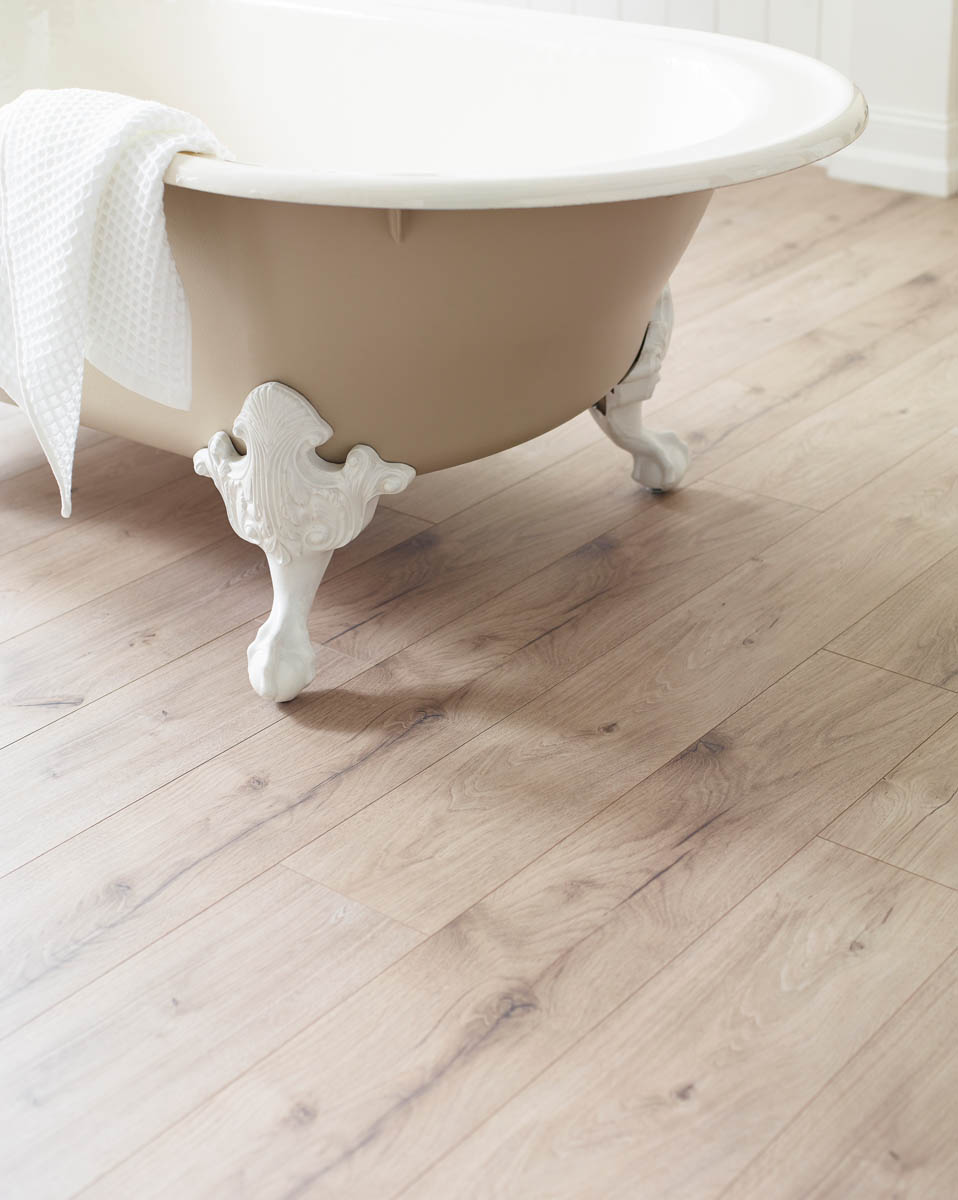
[{"x": 434, "y": 336}]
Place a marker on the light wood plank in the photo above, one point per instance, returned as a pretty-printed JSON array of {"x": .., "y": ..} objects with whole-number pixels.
[
  {"x": 79, "y": 563},
  {"x": 101, "y": 1074},
  {"x": 745, "y": 409},
  {"x": 841, "y": 354},
  {"x": 803, "y": 376},
  {"x": 818, "y": 461},
  {"x": 216, "y": 827},
  {"x": 108, "y": 473},
  {"x": 666, "y": 1089},
  {"x": 765, "y": 317},
  {"x": 435, "y": 844},
  {"x": 915, "y": 631},
  {"x": 57, "y": 667},
  {"x": 884, "y": 1127},
  {"x": 477, "y": 1011},
  {"x": 458, "y": 564},
  {"x": 910, "y": 818},
  {"x": 800, "y": 218},
  {"x": 109, "y": 753}
]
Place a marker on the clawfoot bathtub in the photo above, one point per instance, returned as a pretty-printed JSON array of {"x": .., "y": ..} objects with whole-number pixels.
[{"x": 449, "y": 228}]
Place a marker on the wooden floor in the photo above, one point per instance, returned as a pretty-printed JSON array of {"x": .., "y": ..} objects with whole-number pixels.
[{"x": 613, "y": 853}]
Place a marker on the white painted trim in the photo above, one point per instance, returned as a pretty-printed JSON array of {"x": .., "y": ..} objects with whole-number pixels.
[{"x": 904, "y": 149}]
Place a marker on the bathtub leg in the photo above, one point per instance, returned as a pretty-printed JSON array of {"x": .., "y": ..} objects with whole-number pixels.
[
  {"x": 297, "y": 508},
  {"x": 660, "y": 459}
]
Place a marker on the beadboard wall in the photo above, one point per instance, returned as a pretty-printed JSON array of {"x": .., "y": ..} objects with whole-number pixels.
[
  {"x": 804, "y": 25},
  {"x": 903, "y": 56}
]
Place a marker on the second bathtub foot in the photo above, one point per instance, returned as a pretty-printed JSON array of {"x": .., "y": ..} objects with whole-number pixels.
[
  {"x": 298, "y": 509},
  {"x": 659, "y": 459}
]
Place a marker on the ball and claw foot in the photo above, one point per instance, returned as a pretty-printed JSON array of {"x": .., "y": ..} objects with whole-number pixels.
[
  {"x": 659, "y": 459},
  {"x": 281, "y": 658},
  {"x": 660, "y": 462},
  {"x": 279, "y": 672},
  {"x": 281, "y": 496}
]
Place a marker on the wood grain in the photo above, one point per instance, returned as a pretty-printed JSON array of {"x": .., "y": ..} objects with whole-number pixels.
[
  {"x": 768, "y": 315},
  {"x": 108, "y": 473},
  {"x": 459, "y": 563},
  {"x": 78, "y": 563},
  {"x": 737, "y": 250},
  {"x": 437, "y": 843},
  {"x": 481, "y": 1008},
  {"x": 832, "y": 453},
  {"x": 774, "y": 392},
  {"x": 217, "y": 995},
  {"x": 117, "y": 638},
  {"x": 910, "y": 817},
  {"x": 115, "y": 750},
  {"x": 275, "y": 792},
  {"x": 915, "y": 631},
  {"x": 666, "y": 1087},
  {"x": 884, "y": 1126}
]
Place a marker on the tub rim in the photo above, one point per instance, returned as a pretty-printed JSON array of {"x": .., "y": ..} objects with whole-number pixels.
[{"x": 706, "y": 165}]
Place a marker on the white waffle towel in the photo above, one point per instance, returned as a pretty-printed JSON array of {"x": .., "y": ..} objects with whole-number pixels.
[{"x": 85, "y": 266}]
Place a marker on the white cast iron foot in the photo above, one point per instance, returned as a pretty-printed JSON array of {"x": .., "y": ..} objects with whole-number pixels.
[
  {"x": 659, "y": 459},
  {"x": 298, "y": 509}
]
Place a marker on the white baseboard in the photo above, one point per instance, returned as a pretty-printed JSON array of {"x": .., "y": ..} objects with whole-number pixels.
[{"x": 909, "y": 151}]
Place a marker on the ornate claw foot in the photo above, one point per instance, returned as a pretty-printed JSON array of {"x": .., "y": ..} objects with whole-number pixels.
[
  {"x": 660, "y": 459},
  {"x": 297, "y": 508}
]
